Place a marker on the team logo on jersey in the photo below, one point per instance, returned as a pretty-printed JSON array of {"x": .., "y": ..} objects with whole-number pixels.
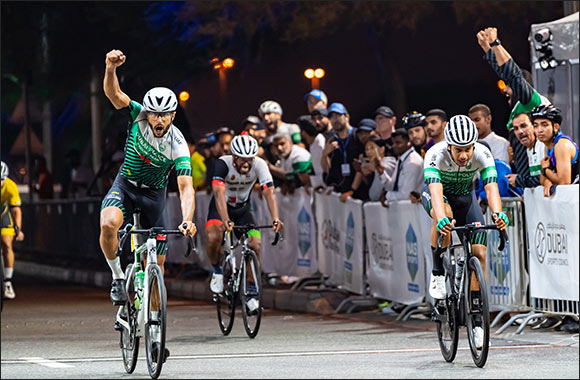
[
  {"x": 162, "y": 147},
  {"x": 233, "y": 177}
]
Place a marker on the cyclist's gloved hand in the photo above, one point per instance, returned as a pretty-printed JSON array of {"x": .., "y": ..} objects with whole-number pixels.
[
  {"x": 501, "y": 220},
  {"x": 188, "y": 228},
  {"x": 277, "y": 225},
  {"x": 444, "y": 225}
]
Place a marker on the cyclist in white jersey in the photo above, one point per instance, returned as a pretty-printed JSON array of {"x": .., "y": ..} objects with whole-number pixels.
[
  {"x": 448, "y": 196},
  {"x": 232, "y": 183}
]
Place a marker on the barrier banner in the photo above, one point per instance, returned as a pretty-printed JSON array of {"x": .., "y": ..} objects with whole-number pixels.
[
  {"x": 505, "y": 268},
  {"x": 296, "y": 254},
  {"x": 176, "y": 245},
  {"x": 340, "y": 240},
  {"x": 396, "y": 245},
  {"x": 552, "y": 227}
]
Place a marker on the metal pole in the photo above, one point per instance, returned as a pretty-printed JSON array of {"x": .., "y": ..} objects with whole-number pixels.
[
  {"x": 96, "y": 123},
  {"x": 27, "y": 148}
]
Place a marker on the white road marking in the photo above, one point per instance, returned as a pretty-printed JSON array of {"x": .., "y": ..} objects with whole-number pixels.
[
  {"x": 45, "y": 362},
  {"x": 60, "y": 363}
]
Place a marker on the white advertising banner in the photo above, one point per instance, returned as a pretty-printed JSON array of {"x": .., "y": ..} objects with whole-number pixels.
[
  {"x": 296, "y": 254},
  {"x": 340, "y": 240},
  {"x": 552, "y": 226},
  {"x": 396, "y": 245}
]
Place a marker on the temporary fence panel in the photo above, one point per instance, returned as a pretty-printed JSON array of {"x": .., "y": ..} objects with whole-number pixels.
[
  {"x": 395, "y": 238},
  {"x": 296, "y": 254},
  {"x": 340, "y": 240},
  {"x": 552, "y": 227},
  {"x": 506, "y": 273}
]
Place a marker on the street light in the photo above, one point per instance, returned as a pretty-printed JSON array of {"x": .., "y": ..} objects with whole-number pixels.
[
  {"x": 314, "y": 75},
  {"x": 183, "y": 96}
]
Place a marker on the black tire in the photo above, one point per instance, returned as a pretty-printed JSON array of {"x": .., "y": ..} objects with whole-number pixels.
[
  {"x": 448, "y": 332},
  {"x": 251, "y": 273},
  {"x": 3, "y": 285},
  {"x": 226, "y": 301},
  {"x": 129, "y": 339},
  {"x": 479, "y": 355},
  {"x": 156, "y": 292}
]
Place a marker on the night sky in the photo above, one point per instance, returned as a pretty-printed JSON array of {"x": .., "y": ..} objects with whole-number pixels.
[{"x": 434, "y": 63}]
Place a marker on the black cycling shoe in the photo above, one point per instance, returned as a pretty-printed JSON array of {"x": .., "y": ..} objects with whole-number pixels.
[
  {"x": 118, "y": 292},
  {"x": 155, "y": 350}
]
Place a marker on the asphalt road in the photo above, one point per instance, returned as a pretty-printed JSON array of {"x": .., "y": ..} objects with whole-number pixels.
[{"x": 58, "y": 330}]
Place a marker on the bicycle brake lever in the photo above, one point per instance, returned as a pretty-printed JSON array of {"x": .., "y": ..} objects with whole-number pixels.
[
  {"x": 503, "y": 238},
  {"x": 190, "y": 246}
]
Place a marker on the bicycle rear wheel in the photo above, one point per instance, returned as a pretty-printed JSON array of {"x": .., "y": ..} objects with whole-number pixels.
[
  {"x": 129, "y": 339},
  {"x": 251, "y": 273},
  {"x": 479, "y": 310},
  {"x": 448, "y": 326},
  {"x": 155, "y": 327},
  {"x": 226, "y": 301}
]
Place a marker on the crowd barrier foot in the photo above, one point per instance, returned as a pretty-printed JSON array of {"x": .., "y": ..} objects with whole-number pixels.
[
  {"x": 527, "y": 316},
  {"x": 414, "y": 309},
  {"x": 356, "y": 301},
  {"x": 317, "y": 279}
]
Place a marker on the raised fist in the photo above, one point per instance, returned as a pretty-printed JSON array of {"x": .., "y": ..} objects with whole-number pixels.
[{"x": 115, "y": 58}]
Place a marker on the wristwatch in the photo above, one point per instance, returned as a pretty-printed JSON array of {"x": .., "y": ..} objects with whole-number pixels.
[{"x": 495, "y": 43}]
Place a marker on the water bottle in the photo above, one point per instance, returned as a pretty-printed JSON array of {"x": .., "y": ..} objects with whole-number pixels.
[
  {"x": 139, "y": 280},
  {"x": 458, "y": 273}
]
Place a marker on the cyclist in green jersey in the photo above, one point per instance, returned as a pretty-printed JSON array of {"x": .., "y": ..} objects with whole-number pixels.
[
  {"x": 154, "y": 145},
  {"x": 448, "y": 196}
]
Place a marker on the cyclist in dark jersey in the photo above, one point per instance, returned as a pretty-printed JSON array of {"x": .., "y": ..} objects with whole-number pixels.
[
  {"x": 154, "y": 145},
  {"x": 560, "y": 164}
]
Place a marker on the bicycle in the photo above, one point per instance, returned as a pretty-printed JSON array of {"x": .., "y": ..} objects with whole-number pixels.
[
  {"x": 459, "y": 308},
  {"x": 236, "y": 267},
  {"x": 145, "y": 287}
]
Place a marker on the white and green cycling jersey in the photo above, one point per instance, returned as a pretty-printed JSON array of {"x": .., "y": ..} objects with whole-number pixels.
[
  {"x": 148, "y": 159},
  {"x": 439, "y": 167}
]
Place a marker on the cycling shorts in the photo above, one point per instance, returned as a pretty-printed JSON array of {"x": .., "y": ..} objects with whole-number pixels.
[
  {"x": 239, "y": 215},
  {"x": 465, "y": 209},
  {"x": 152, "y": 203}
]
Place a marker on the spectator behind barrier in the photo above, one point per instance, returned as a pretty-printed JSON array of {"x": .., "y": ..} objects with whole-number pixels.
[
  {"x": 294, "y": 161},
  {"x": 560, "y": 166},
  {"x": 198, "y": 168},
  {"x": 253, "y": 126},
  {"x": 225, "y": 136},
  {"x": 436, "y": 121},
  {"x": 340, "y": 150},
  {"x": 516, "y": 86},
  {"x": 504, "y": 187},
  {"x": 315, "y": 142},
  {"x": 386, "y": 120},
  {"x": 481, "y": 116},
  {"x": 414, "y": 122},
  {"x": 535, "y": 150},
  {"x": 407, "y": 180},
  {"x": 315, "y": 99}
]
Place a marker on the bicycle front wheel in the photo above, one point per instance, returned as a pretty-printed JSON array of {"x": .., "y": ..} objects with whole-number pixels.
[
  {"x": 251, "y": 293},
  {"x": 129, "y": 339},
  {"x": 226, "y": 301},
  {"x": 448, "y": 325},
  {"x": 477, "y": 312},
  {"x": 156, "y": 309}
]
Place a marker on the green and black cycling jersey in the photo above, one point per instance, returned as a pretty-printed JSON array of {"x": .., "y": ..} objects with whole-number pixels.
[{"x": 148, "y": 159}]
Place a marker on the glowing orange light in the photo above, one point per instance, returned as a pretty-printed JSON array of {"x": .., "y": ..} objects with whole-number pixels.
[
  {"x": 183, "y": 96},
  {"x": 217, "y": 66},
  {"x": 228, "y": 63},
  {"x": 319, "y": 73},
  {"x": 309, "y": 73},
  {"x": 501, "y": 84}
]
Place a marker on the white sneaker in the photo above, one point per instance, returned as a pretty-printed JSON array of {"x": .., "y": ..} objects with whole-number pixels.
[
  {"x": 252, "y": 304},
  {"x": 478, "y": 337},
  {"x": 437, "y": 287},
  {"x": 217, "y": 283},
  {"x": 9, "y": 290}
]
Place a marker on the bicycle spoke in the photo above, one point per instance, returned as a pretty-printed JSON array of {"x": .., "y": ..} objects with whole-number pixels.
[
  {"x": 155, "y": 322},
  {"x": 251, "y": 293},
  {"x": 477, "y": 314}
]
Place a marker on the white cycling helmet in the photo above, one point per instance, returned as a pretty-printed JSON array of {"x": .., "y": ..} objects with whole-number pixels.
[
  {"x": 160, "y": 99},
  {"x": 244, "y": 146},
  {"x": 4, "y": 171},
  {"x": 269, "y": 106},
  {"x": 461, "y": 131}
]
